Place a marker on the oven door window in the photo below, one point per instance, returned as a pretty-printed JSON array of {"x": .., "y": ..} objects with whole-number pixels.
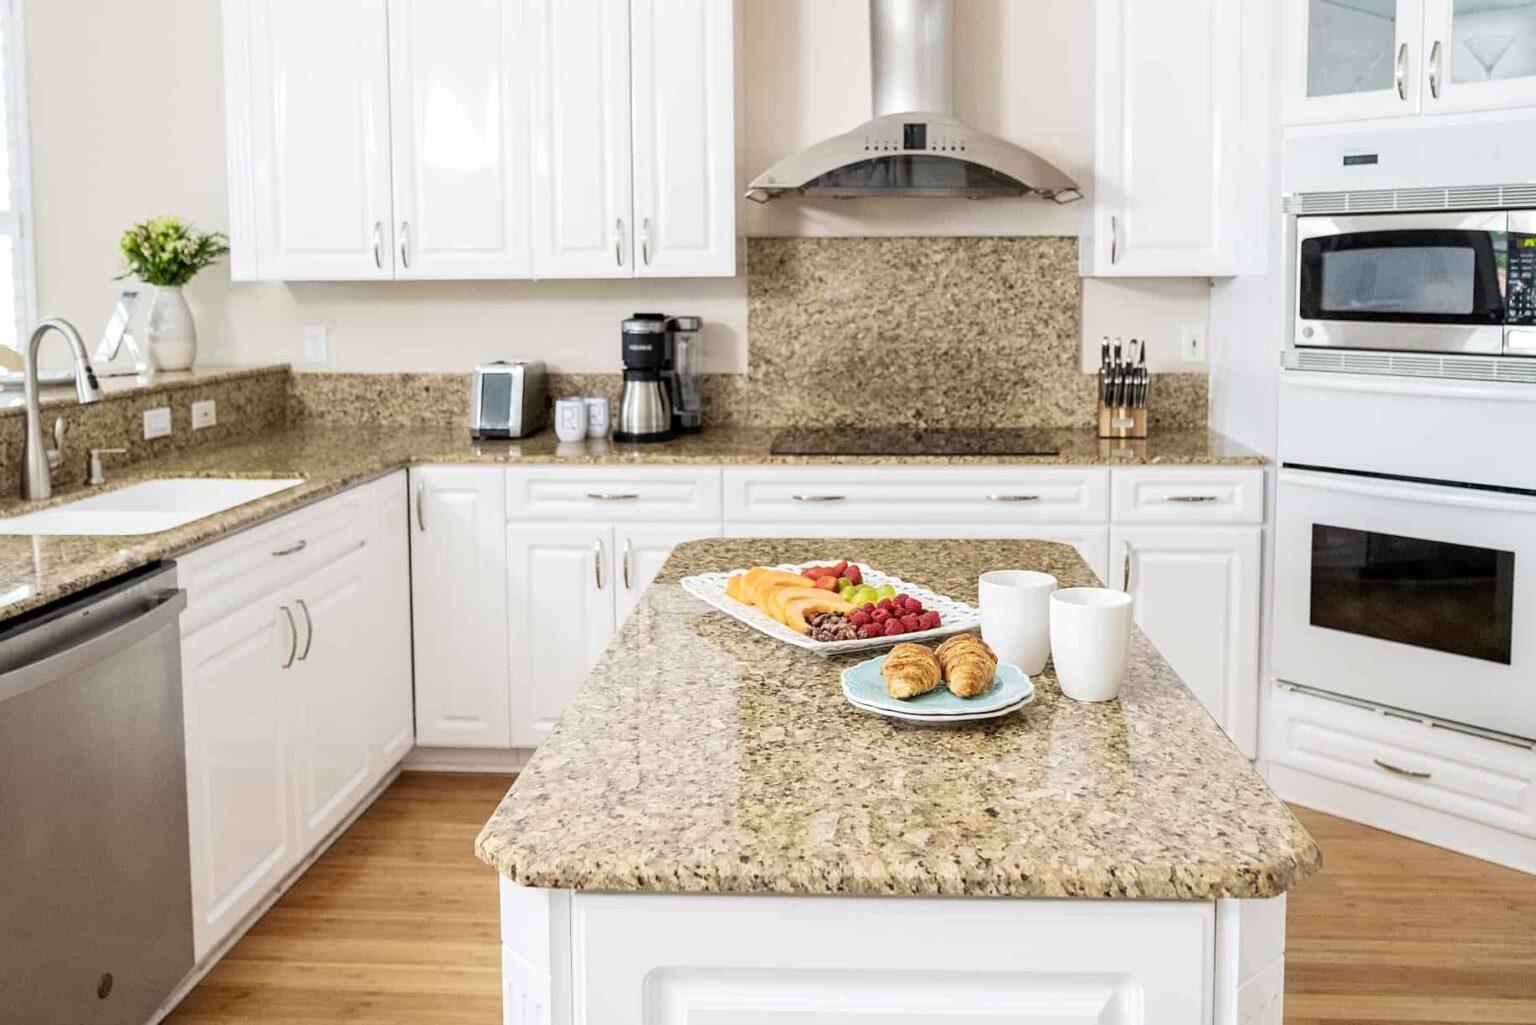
[
  {"x": 1430, "y": 594},
  {"x": 1428, "y": 276}
]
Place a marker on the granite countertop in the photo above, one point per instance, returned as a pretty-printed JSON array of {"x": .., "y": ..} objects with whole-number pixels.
[
  {"x": 701, "y": 756},
  {"x": 35, "y": 570}
]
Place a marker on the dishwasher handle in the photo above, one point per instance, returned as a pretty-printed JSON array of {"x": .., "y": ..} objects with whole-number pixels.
[{"x": 84, "y": 654}]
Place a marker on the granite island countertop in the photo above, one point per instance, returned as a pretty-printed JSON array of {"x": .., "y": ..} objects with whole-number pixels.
[
  {"x": 36, "y": 570},
  {"x": 700, "y": 756}
]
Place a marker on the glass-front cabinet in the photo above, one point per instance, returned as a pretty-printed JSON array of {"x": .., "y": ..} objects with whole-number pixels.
[{"x": 1361, "y": 59}]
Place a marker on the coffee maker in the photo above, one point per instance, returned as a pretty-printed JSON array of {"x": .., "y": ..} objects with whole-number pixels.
[
  {"x": 645, "y": 407},
  {"x": 680, "y": 370}
]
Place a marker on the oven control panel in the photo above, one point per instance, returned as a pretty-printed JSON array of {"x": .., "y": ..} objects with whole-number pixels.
[{"x": 1520, "y": 292}]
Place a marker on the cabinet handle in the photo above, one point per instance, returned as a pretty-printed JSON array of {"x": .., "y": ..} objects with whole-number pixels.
[
  {"x": 819, "y": 498},
  {"x": 1190, "y": 499},
  {"x": 1013, "y": 498},
  {"x": 1125, "y": 579},
  {"x": 597, "y": 563},
  {"x": 1434, "y": 71},
  {"x": 421, "y": 513},
  {"x": 293, "y": 637},
  {"x": 1114, "y": 239},
  {"x": 1400, "y": 73},
  {"x": 290, "y": 550},
  {"x": 604, "y": 497},
  {"x": 405, "y": 244},
  {"x": 378, "y": 244},
  {"x": 309, "y": 629},
  {"x": 626, "y": 563},
  {"x": 1399, "y": 771},
  {"x": 618, "y": 241},
  {"x": 645, "y": 240}
]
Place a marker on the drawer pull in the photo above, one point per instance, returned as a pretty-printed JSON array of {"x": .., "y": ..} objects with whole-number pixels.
[
  {"x": 596, "y": 497},
  {"x": 293, "y": 636},
  {"x": 290, "y": 550},
  {"x": 597, "y": 563},
  {"x": 1398, "y": 770},
  {"x": 819, "y": 498},
  {"x": 1191, "y": 499},
  {"x": 309, "y": 626},
  {"x": 1013, "y": 498}
]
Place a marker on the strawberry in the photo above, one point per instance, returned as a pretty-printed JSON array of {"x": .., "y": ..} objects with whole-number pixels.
[
  {"x": 827, "y": 583},
  {"x": 929, "y": 620},
  {"x": 912, "y": 622},
  {"x": 893, "y": 628},
  {"x": 854, "y": 576},
  {"x": 837, "y": 570}
]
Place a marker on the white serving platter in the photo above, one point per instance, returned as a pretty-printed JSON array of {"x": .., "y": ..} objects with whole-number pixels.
[{"x": 957, "y": 616}]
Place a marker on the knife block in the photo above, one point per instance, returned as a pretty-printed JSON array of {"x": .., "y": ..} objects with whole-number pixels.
[{"x": 1122, "y": 421}]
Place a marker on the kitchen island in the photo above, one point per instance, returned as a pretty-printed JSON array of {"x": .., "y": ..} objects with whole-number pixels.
[{"x": 712, "y": 835}]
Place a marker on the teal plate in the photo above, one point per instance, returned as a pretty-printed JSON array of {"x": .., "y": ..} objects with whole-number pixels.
[{"x": 863, "y": 685}]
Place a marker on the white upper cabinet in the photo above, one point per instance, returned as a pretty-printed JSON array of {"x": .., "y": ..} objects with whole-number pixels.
[
  {"x": 1177, "y": 176},
  {"x": 397, "y": 139},
  {"x": 685, "y": 193},
  {"x": 1363, "y": 59},
  {"x": 459, "y": 92},
  {"x": 579, "y": 59},
  {"x": 308, "y": 112}
]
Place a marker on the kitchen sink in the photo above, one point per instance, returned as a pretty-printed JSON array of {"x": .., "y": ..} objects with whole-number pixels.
[{"x": 147, "y": 507}]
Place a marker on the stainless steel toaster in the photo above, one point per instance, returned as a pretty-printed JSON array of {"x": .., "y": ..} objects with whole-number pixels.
[{"x": 510, "y": 399}]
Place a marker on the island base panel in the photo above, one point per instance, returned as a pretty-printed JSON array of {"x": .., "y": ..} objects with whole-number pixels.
[{"x": 685, "y": 959}]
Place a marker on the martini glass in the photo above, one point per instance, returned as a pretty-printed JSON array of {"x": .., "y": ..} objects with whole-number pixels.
[{"x": 1489, "y": 50}]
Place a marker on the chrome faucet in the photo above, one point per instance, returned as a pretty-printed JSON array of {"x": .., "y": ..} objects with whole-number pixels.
[{"x": 36, "y": 481}]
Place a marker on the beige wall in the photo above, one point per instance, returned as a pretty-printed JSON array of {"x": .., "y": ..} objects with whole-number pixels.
[{"x": 127, "y": 120}]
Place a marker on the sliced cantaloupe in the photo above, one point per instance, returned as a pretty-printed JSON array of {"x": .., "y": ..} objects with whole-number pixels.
[
  {"x": 780, "y": 597},
  {"x": 733, "y": 586},
  {"x": 755, "y": 588},
  {"x": 797, "y": 609}
]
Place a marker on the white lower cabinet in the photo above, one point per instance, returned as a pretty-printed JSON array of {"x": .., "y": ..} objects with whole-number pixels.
[
  {"x": 641, "y": 551},
  {"x": 1197, "y": 597},
  {"x": 296, "y": 702}
]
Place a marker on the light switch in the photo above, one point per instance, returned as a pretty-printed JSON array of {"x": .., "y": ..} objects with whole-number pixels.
[
  {"x": 204, "y": 414},
  {"x": 1192, "y": 343},
  {"x": 157, "y": 423}
]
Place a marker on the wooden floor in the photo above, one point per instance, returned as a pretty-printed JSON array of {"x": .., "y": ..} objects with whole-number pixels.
[{"x": 396, "y": 925}]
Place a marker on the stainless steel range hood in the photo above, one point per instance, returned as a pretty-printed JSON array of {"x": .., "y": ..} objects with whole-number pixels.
[{"x": 914, "y": 146}]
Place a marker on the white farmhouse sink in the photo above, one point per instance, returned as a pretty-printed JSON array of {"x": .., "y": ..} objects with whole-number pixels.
[{"x": 146, "y": 508}]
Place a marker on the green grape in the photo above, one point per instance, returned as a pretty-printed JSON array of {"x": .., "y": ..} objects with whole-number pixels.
[{"x": 886, "y": 591}]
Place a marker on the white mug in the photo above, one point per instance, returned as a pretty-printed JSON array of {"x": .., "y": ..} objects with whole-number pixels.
[
  {"x": 570, "y": 419},
  {"x": 1016, "y": 616},
  {"x": 597, "y": 416},
  {"x": 1090, "y": 641}
]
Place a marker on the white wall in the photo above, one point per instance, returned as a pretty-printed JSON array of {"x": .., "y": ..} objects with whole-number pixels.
[{"x": 127, "y": 121}]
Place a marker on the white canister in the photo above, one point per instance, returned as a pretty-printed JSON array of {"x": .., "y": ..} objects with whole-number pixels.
[
  {"x": 597, "y": 416},
  {"x": 571, "y": 419},
  {"x": 1090, "y": 641},
  {"x": 1016, "y": 616}
]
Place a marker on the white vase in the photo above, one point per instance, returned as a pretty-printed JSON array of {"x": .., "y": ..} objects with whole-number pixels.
[{"x": 172, "y": 335}]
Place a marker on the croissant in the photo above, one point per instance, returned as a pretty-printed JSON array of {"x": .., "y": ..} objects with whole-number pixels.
[
  {"x": 910, "y": 670},
  {"x": 968, "y": 665}
]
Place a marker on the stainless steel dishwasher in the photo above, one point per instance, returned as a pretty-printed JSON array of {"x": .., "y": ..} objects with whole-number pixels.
[{"x": 95, "y": 889}]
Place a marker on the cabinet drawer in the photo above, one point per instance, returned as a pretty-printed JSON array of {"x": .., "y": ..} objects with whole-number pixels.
[
  {"x": 1189, "y": 494},
  {"x": 1482, "y": 780},
  {"x": 607, "y": 493},
  {"x": 846, "y": 497}
]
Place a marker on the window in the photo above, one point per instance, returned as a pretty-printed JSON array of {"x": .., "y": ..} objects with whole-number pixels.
[{"x": 16, "y": 286}]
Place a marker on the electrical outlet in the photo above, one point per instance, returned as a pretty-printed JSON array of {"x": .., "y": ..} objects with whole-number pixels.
[
  {"x": 157, "y": 423},
  {"x": 1192, "y": 343},
  {"x": 204, "y": 414},
  {"x": 316, "y": 344}
]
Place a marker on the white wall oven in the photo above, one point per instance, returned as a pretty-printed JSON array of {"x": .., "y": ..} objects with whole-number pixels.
[{"x": 1460, "y": 283}]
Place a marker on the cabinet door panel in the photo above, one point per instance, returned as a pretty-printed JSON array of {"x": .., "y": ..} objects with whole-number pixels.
[
  {"x": 459, "y": 606},
  {"x": 560, "y": 584},
  {"x": 641, "y": 553},
  {"x": 238, "y": 735},
  {"x": 320, "y": 155},
  {"x": 684, "y": 137},
  {"x": 459, "y": 95},
  {"x": 333, "y": 698},
  {"x": 1197, "y": 594},
  {"x": 385, "y": 618},
  {"x": 579, "y": 60},
  {"x": 1479, "y": 54},
  {"x": 1344, "y": 61}
]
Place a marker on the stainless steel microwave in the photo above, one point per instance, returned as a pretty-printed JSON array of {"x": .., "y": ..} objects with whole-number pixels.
[{"x": 1453, "y": 283}]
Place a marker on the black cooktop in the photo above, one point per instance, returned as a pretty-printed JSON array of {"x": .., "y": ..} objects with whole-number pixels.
[{"x": 913, "y": 441}]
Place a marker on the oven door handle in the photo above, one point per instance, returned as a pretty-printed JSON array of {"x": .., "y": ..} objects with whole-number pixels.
[
  {"x": 1317, "y": 380},
  {"x": 1447, "y": 495}
]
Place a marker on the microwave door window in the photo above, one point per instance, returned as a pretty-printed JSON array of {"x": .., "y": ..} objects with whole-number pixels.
[
  {"x": 1433, "y": 277},
  {"x": 1430, "y": 594}
]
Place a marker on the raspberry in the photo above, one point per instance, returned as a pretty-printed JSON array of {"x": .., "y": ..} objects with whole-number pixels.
[
  {"x": 887, "y": 604},
  {"x": 859, "y": 617},
  {"x": 929, "y": 621},
  {"x": 880, "y": 615},
  {"x": 912, "y": 622},
  {"x": 893, "y": 628},
  {"x": 869, "y": 630},
  {"x": 911, "y": 604}
]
